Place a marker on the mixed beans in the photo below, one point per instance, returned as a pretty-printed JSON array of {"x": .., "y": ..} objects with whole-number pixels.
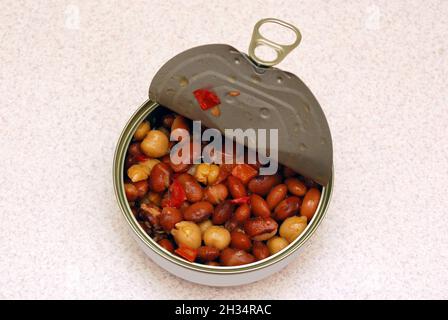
[{"x": 215, "y": 214}]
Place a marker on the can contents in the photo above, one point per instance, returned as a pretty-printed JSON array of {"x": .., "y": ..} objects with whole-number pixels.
[{"x": 216, "y": 214}]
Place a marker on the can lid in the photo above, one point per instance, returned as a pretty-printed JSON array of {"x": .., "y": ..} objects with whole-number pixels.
[{"x": 252, "y": 95}]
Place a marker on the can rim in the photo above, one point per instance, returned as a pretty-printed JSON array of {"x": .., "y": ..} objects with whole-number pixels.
[{"x": 118, "y": 165}]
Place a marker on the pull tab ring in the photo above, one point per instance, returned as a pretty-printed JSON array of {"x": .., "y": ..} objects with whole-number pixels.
[{"x": 281, "y": 50}]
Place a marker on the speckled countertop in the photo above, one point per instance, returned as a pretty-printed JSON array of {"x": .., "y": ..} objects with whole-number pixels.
[{"x": 72, "y": 73}]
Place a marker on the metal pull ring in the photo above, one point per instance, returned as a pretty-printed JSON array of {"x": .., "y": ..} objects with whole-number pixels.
[{"x": 281, "y": 50}]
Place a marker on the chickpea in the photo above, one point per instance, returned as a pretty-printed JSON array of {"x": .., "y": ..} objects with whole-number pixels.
[
  {"x": 187, "y": 233},
  {"x": 217, "y": 237},
  {"x": 142, "y": 130},
  {"x": 204, "y": 225},
  {"x": 292, "y": 227},
  {"x": 138, "y": 172},
  {"x": 150, "y": 163},
  {"x": 276, "y": 244},
  {"x": 155, "y": 144},
  {"x": 207, "y": 173}
]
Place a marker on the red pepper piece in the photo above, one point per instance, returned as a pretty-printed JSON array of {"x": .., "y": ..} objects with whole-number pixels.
[
  {"x": 206, "y": 98},
  {"x": 241, "y": 200},
  {"x": 187, "y": 253},
  {"x": 176, "y": 196},
  {"x": 244, "y": 172}
]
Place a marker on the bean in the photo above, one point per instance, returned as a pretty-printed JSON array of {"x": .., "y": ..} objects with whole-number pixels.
[
  {"x": 217, "y": 236},
  {"x": 287, "y": 208},
  {"x": 193, "y": 189},
  {"x": 260, "y": 228},
  {"x": 198, "y": 211},
  {"x": 179, "y": 122},
  {"x": 142, "y": 130},
  {"x": 216, "y": 194},
  {"x": 167, "y": 121},
  {"x": 260, "y": 250},
  {"x": 236, "y": 187},
  {"x": 222, "y": 212},
  {"x": 131, "y": 191},
  {"x": 212, "y": 263},
  {"x": 159, "y": 178},
  {"x": 169, "y": 217},
  {"x": 261, "y": 185},
  {"x": 155, "y": 144},
  {"x": 240, "y": 241},
  {"x": 242, "y": 213},
  {"x": 206, "y": 253},
  {"x": 296, "y": 187},
  {"x": 166, "y": 244},
  {"x": 259, "y": 206},
  {"x": 276, "y": 244},
  {"x": 231, "y": 257},
  {"x": 277, "y": 194},
  {"x": 142, "y": 187},
  {"x": 310, "y": 203},
  {"x": 231, "y": 224},
  {"x": 292, "y": 227},
  {"x": 134, "y": 149},
  {"x": 187, "y": 234}
]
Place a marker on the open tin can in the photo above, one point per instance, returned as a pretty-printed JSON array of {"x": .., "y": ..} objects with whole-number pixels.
[{"x": 273, "y": 98}]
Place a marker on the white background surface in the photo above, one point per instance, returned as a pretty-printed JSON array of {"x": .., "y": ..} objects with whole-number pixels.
[{"x": 72, "y": 73}]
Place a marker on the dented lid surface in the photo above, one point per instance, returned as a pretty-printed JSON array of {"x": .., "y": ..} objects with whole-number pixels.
[{"x": 269, "y": 98}]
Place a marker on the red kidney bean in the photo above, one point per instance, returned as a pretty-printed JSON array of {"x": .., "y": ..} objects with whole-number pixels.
[
  {"x": 260, "y": 228},
  {"x": 277, "y": 194},
  {"x": 142, "y": 187},
  {"x": 231, "y": 224},
  {"x": 159, "y": 178},
  {"x": 259, "y": 206},
  {"x": 169, "y": 217},
  {"x": 192, "y": 188},
  {"x": 222, "y": 212},
  {"x": 207, "y": 253},
  {"x": 242, "y": 213},
  {"x": 198, "y": 211},
  {"x": 240, "y": 241},
  {"x": 216, "y": 194},
  {"x": 260, "y": 250},
  {"x": 131, "y": 191},
  {"x": 261, "y": 185},
  {"x": 166, "y": 244},
  {"x": 310, "y": 203},
  {"x": 236, "y": 187},
  {"x": 231, "y": 257},
  {"x": 167, "y": 120},
  {"x": 296, "y": 187},
  {"x": 287, "y": 208},
  {"x": 134, "y": 149}
]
